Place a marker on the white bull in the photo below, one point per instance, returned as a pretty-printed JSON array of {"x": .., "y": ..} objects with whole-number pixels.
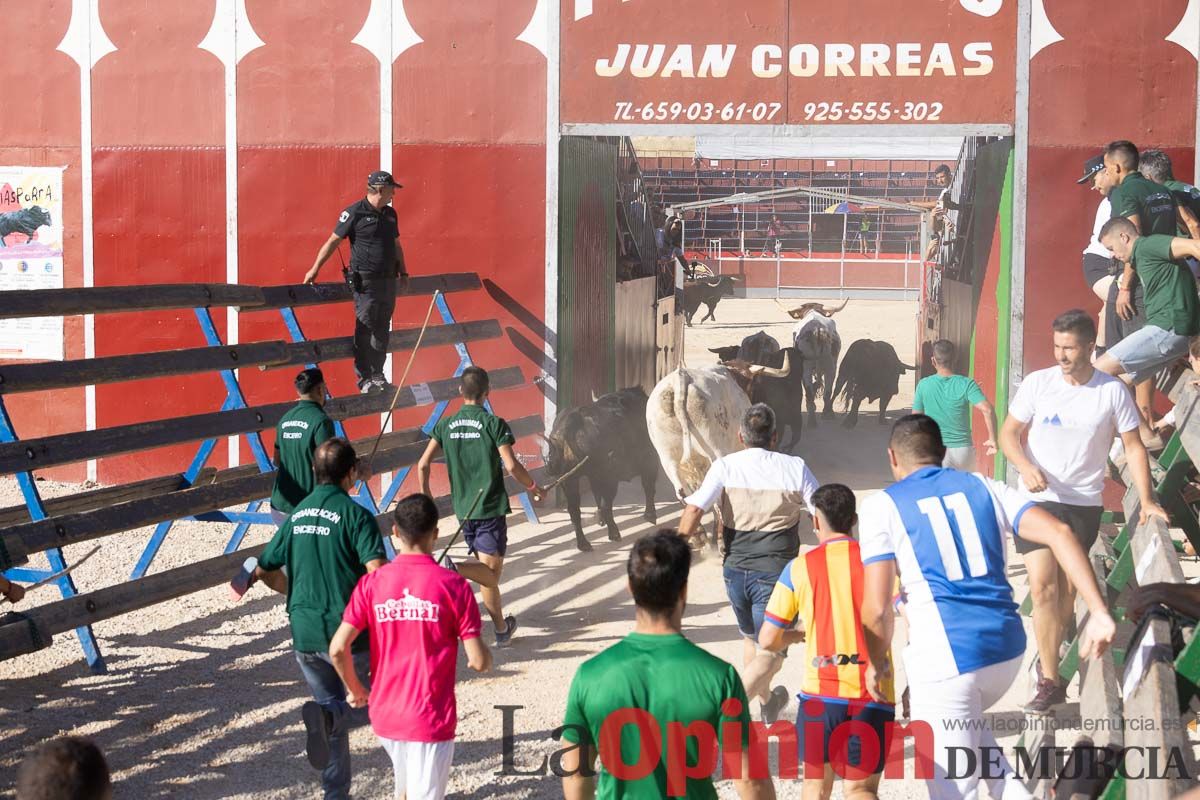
[{"x": 815, "y": 337}]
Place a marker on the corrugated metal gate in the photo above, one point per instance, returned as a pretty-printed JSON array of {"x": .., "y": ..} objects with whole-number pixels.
[
  {"x": 587, "y": 268},
  {"x": 635, "y": 334}
]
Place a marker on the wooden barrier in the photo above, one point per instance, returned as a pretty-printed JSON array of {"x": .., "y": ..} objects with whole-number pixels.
[{"x": 199, "y": 492}]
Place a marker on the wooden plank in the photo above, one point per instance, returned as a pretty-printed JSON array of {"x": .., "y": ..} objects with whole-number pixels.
[
  {"x": 1099, "y": 681},
  {"x": 403, "y": 448},
  {"x": 1155, "y": 726},
  {"x": 98, "y": 498},
  {"x": 1187, "y": 421},
  {"x": 22, "y": 303},
  {"x": 33, "y": 630},
  {"x": 302, "y": 294},
  {"x": 332, "y": 349},
  {"x": 48, "y": 451}
]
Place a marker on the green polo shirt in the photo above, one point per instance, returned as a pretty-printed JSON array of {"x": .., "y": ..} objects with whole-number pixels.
[
  {"x": 675, "y": 682},
  {"x": 325, "y": 545},
  {"x": 1169, "y": 286},
  {"x": 296, "y": 437},
  {"x": 470, "y": 440},
  {"x": 1187, "y": 196},
  {"x": 1152, "y": 202}
]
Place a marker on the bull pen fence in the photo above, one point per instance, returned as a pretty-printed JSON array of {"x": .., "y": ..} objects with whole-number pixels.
[
  {"x": 1138, "y": 693},
  {"x": 200, "y": 493}
]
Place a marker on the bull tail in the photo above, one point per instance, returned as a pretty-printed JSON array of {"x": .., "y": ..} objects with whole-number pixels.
[
  {"x": 844, "y": 389},
  {"x": 682, "y": 381}
]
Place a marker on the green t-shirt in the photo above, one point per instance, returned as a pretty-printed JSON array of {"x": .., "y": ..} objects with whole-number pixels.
[
  {"x": 325, "y": 545},
  {"x": 949, "y": 400},
  {"x": 471, "y": 439},
  {"x": 1187, "y": 196},
  {"x": 1152, "y": 202},
  {"x": 671, "y": 678},
  {"x": 1169, "y": 286},
  {"x": 296, "y": 437}
]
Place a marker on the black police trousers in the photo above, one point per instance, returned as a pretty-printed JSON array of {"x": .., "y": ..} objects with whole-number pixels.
[{"x": 373, "y": 308}]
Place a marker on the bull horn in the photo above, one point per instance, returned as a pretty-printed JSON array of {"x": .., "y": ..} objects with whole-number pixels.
[
  {"x": 714, "y": 284},
  {"x": 907, "y": 367},
  {"x": 829, "y": 312},
  {"x": 775, "y": 372},
  {"x": 595, "y": 397}
]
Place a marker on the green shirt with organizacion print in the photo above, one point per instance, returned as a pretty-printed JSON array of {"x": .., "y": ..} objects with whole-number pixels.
[
  {"x": 1187, "y": 196},
  {"x": 470, "y": 440},
  {"x": 672, "y": 679},
  {"x": 1170, "y": 288},
  {"x": 1152, "y": 202},
  {"x": 296, "y": 437},
  {"x": 325, "y": 544}
]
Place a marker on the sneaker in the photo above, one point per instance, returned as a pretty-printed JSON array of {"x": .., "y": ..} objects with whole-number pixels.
[
  {"x": 365, "y": 386},
  {"x": 775, "y": 704},
  {"x": 504, "y": 637},
  {"x": 317, "y": 724},
  {"x": 1049, "y": 694}
]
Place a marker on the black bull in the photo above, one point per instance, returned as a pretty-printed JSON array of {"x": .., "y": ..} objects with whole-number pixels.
[
  {"x": 612, "y": 433},
  {"x": 707, "y": 293},
  {"x": 25, "y": 220},
  {"x": 785, "y": 395},
  {"x": 871, "y": 371}
]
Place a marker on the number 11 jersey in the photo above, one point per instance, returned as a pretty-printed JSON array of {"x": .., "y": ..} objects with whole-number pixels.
[{"x": 946, "y": 531}]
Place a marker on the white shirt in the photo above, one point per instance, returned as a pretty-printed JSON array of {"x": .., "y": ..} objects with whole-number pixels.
[
  {"x": 946, "y": 531},
  {"x": 1071, "y": 429},
  {"x": 1103, "y": 215},
  {"x": 762, "y": 490}
]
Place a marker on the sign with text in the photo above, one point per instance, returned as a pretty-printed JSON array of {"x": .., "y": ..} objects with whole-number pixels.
[
  {"x": 774, "y": 62},
  {"x": 31, "y": 242}
]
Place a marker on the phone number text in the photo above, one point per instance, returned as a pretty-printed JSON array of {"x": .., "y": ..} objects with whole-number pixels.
[
  {"x": 873, "y": 111},
  {"x": 697, "y": 112}
]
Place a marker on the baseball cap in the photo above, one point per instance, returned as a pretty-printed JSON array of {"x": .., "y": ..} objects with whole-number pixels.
[
  {"x": 1091, "y": 167},
  {"x": 382, "y": 178}
]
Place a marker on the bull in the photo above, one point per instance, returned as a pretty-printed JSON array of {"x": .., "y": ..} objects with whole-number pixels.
[
  {"x": 870, "y": 371},
  {"x": 759, "y": 348},
  {"x": 816, "y": 339},
  {"x": 24, "y": 220},
  {"x": 707, "y": 293},
  {"x": 782, "y": 388},
  {"x": 611, "y": 433},
  {"x": 693, "y": 417}
]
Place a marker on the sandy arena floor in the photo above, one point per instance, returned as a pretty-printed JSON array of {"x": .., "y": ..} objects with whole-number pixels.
[{"x": 202, "y": 697}]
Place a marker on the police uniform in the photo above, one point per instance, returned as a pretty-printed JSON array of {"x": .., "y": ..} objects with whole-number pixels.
[{"x": 372, "y": 233}]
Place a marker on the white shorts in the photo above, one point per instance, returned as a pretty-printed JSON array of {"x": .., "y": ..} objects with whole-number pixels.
[
  {"x": 954, "y": 710},
  {"x": 961, "y": 459},
  {"x": 422, "y": 768}
]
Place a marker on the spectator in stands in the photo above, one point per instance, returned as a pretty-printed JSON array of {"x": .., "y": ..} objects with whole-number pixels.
[
  {"x": 296, "y": 437},
  {"x": 1099, "y": 267},
  {"x": 326, "y": 545},
  {"x": 656, "y": 669},
  {"x": 948, "y": 398},
  {"x": 414, "y": 651},
  {"x": 1156, "y": 166},
  {"x": 1172, "y": 310},
  {"x": 67, "y": 768},
  {"x": 942, "y": 178},
  {"x": 12, "y": 592},
  {"x": 772, "y": 244},
  {"x": 377, "y": 272},
  {"x": 478, "y": 447},
  {"x": 1071, "y": 413}
]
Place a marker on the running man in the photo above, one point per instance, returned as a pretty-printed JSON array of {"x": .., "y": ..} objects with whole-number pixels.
[
  {"x": 296, "y": 437},
  {"x": 657, "y": 670},
  {"x": 416, "y": 613},
  {"x": 823, "y": 589},
  {"x": 478, "y": 447},
  {"x": 944, "y": 532},
  {"x": 1072, "y": 412},
  {"x": 949, "y": 398}
]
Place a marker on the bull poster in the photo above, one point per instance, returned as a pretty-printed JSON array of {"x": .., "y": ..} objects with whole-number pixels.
[{"x": 31, "y": 256}]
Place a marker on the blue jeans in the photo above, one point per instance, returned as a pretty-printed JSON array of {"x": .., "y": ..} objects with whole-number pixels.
[
  {"x": 749, "y": 592},
  {"x": 327, "y": 689}
]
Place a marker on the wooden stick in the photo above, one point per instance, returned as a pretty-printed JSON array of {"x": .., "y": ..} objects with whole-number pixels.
[{"x": 399, "y": 386}]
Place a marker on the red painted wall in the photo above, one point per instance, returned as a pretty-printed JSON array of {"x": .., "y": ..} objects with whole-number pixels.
[{"x": 1089, "y": 89}]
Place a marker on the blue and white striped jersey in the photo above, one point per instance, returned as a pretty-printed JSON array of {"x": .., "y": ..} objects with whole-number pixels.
[{"x": 946, "y": 531}]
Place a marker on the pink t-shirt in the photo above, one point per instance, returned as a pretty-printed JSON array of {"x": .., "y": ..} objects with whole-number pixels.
[{"x": 416, "y": 612}]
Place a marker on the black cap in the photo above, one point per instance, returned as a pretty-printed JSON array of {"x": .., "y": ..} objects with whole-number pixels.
[
  {"x": 382, "y": 178},
  {"x": 1091, "y": 167}
]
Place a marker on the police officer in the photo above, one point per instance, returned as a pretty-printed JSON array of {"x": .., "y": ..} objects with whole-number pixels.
[{"x": 376, "y": 272}]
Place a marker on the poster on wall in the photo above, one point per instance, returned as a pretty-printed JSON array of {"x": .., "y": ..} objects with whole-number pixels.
[
  {"x": 775, "y": 62},
  {"x": 31, "y": 237}
]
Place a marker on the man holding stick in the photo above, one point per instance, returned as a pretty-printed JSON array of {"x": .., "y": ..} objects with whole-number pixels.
[{"x": 477, "y": 444}]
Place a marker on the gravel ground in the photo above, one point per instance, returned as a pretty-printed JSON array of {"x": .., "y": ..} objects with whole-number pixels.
[{"x": 202, "y": 696}]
